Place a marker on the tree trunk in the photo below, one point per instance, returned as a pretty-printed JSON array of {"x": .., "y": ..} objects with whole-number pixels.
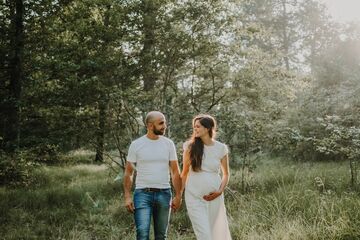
[
  {"x": 103, "y": 102},
  {"x": 285, "y": 36},
  {"x": 353, "y": 172},
  {"x": 100, "y": 133},
  {"x": 12, "y": 108},
  {"x": 313, "y": 52},
  {"x": 148, "y": 51}
]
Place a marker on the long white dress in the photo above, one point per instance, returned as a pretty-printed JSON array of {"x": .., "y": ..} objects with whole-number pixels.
[{"x": 208, "y": 218}]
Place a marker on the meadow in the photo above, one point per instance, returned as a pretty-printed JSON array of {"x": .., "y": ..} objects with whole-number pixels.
[{"x": 283, "y": 200}]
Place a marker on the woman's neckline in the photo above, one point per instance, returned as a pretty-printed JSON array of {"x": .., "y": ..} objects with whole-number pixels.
[{"x": 211, "y": 145}]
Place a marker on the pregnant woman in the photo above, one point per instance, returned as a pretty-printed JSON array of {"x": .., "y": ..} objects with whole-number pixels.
[{"x": 203, "y": 159}]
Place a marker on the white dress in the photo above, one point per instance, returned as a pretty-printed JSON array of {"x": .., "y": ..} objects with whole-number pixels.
[{"x": 208, "y": 218}]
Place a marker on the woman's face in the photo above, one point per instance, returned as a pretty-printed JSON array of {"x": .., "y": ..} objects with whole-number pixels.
[{"x": 200, "y": 130}]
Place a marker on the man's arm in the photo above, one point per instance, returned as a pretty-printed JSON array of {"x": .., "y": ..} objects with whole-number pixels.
[
  {"x": 128, "y": 182},
  {"x": 176, "y": 181}
]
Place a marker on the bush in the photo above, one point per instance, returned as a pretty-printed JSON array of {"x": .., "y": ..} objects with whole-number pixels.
[
  {"x": 45, "y": 153},
  {"x": 15, "y": 169}
]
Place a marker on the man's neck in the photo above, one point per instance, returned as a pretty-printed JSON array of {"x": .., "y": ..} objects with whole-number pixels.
[{"x": 152, "y": 136}]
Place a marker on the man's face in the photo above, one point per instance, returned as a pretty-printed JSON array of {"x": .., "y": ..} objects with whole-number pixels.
[{"x": 159, "y": 126}]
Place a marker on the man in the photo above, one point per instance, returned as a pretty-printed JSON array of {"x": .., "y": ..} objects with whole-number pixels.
[{"x": 153, "y": 155}]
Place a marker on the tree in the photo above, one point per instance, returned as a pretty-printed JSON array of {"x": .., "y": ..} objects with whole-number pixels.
[
  {"x": 276, "y": 19},
  {"x": 317, "y": 31},
  {"x": 12, "y": 103}
]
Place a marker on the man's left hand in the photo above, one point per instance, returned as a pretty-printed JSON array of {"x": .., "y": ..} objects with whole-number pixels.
[{"x": 176, "y": 203}]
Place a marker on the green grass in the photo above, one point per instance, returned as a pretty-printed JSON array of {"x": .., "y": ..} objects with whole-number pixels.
[
  {"x": 283, "y": 201},
  {"x": 78, "y": 156}
]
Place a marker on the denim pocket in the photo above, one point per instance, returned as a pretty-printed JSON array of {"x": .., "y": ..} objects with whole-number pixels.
[
  {"x": 164, "y": 197},
  {"x": 142, "y": 199}
]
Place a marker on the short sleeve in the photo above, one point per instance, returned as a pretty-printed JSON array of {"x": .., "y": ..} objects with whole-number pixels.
[
  {"x": 186, "y": 145},
  {"x": 131, "y": 157},
  {"x": 225, "y": 150},
  {"x": 173, "y": 155}
]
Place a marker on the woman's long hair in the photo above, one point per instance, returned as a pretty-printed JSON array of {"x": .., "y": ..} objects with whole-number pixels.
[{"x": 196, "y": 145}]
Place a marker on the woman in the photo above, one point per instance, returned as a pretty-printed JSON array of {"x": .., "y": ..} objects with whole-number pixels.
[{"x": 202, "y": 159}]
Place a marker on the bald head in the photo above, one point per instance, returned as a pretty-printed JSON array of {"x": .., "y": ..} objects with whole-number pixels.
[
  {"x": 155, "y": 123},
  {"x": 152, "y": 116}
]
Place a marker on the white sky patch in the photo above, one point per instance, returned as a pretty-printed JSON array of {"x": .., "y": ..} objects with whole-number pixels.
[{"x": 343, "y": 10}]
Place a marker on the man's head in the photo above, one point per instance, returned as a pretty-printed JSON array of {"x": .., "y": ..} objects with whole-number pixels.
[{"x": 155, "y": 122}]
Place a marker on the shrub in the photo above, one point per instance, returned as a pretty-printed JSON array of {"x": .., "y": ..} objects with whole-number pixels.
[
  {"x": 15, "y": 169},
  {"x": 45, "y": 153}
]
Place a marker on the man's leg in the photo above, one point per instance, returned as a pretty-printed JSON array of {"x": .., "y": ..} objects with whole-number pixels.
[
  {"x": 143, "y": 202},
  {"x": 161, "y": 213}
]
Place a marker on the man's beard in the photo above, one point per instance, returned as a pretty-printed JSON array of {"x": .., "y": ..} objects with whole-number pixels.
[{"x": 158, "y": 132}]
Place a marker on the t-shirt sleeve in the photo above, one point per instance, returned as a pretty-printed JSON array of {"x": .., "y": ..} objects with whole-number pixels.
[
  {"x": 173, "y": 155},
  {"x": 186, "y": 145},
  {"x": 225, "y": 150},
  {"x": 131, "y": 157}
]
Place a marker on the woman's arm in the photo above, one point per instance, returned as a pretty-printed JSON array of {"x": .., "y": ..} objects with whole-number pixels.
[
  {"x": 186, "y": 168},
  {"x": 224, "y": 181},
  {"x": 225, "y": 172}
]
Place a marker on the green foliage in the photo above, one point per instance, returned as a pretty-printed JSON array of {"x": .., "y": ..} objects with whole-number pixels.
[
  {"x": 44, "y": 153},
  {"x": 16, "y": 169},
  {"x": 279, "y": 76},
  {"x": 339, "y": 140},
  {"x": 325, "y": 118},
  {"x": 268, "y": 71}
]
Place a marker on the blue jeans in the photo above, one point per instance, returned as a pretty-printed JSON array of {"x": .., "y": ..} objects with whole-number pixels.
[{"x": 152, "y": 204}]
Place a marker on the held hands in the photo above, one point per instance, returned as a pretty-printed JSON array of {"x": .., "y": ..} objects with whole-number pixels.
[
  {"x": 176, "y": 203},
  {"x": 129, "y": 204},
  {"x": 211, "y": 196}
]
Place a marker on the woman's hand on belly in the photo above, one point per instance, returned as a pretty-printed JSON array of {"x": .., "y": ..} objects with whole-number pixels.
[{"x": 211, "y": 196}]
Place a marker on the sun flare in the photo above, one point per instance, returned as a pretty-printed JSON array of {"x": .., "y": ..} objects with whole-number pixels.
[{"x": 343, "y": 10}]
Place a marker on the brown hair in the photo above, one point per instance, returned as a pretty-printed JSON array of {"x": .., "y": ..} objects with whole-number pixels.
[{"x": 196, "y": 145}]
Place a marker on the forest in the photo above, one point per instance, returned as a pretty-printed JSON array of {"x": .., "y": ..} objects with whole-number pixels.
[{"x": 281, "y": 77}]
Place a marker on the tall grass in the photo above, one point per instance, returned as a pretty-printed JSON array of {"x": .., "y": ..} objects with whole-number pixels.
[
  {"x": 287, "y": 203},
  {"x": 285, "y": 200}
]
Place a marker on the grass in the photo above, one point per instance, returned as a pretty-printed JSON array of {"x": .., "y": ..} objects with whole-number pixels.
[
  {"x": 79, "y": 156},
  {"x": 285, "y": 200}
]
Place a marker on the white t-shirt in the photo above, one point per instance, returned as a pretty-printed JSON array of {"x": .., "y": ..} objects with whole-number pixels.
[{"x": 152, "y": 161}]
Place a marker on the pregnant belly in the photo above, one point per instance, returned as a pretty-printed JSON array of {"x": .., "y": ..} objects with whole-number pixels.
[{"x": 201, "y": 183}]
